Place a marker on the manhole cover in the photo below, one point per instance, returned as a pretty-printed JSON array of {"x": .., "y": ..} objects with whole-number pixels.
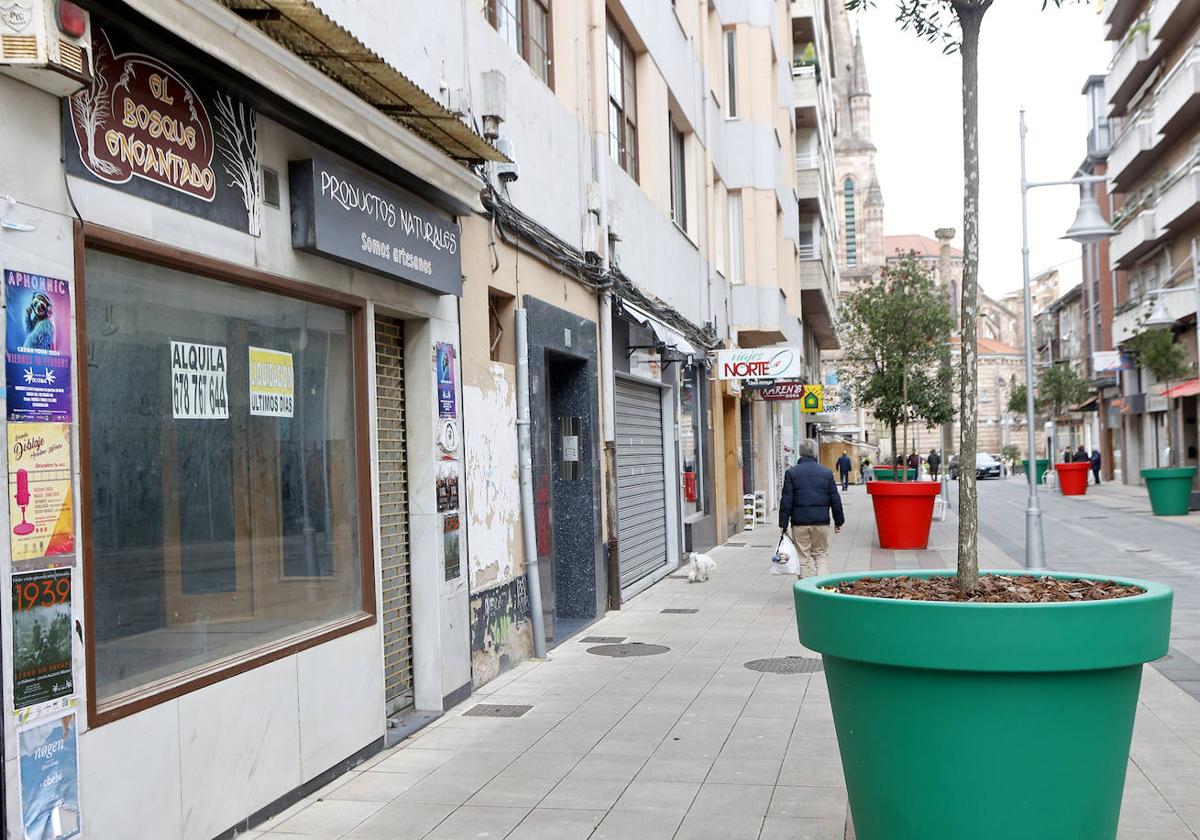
[
  {"x": 786, "y": 665},
  {"x": 496, "y": 710},
  {"x": 629, "y": 649},
  {"x": 1135, "y": 549},
  {"x": 678, "y": 611},
  {"x": 602, "y": 640}
]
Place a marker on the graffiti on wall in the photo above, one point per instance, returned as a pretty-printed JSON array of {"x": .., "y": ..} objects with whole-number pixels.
[{"x": 501, "y": 633}]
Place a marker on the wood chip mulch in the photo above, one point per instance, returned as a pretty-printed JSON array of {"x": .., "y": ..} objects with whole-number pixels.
[{"x": 995, "y": 589}]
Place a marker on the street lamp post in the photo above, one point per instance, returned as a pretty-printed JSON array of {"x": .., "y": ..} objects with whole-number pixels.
[{"x": 1089, "y": 226}]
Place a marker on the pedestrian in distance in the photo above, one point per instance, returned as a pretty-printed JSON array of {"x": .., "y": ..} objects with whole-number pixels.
[
  {"x": 914, "y": 463},
  {"x": 1067, "y": 458},
  {"x": 809, "y": 496},
  {"x": 866, "y": 470},
  {"x": 844, "y": 466},
  {"x": 934, "y": 461},
  {"x": 1096, "y": 465}
]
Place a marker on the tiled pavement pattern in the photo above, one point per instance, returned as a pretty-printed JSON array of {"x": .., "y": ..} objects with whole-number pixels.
[{"x": 689, "y": 744}]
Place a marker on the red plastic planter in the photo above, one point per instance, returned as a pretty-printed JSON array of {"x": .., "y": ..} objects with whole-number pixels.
[
  {"x": 1072, "y": 478},
  {"x": 903, "y": 512}
]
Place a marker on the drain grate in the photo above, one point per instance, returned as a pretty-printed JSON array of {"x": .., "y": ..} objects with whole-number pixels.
[
  {"x": 1093, "y": 517},
  {"x": 1135, "y": 549},
  {"x": 496, "y": 710},
  {"x": 786, "y": 665},
  {"x": 602, "y": 640},
  {"x": 629, "y": 649},
  {"x": 678, "y": 611}
]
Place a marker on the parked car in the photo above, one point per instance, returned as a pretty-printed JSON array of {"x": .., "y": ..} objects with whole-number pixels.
[{"x": 987, "y": 466}]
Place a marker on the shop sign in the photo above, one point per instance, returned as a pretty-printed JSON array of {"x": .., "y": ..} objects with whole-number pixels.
[
  {"x": 1155, "y": 403},
  {"x": 444, "y": 367},
  {"x": 198, "y": 382},
  {"x": 37, "y": 359},
  {"x": 41, "y": 609},
  {"x": 812, "y": 400},
  {"x": 760, "y": 363},
  {"x": 341, "y": 212},
  {"x": 49, "y": 773},
  {"x": 1110, "y": 361},
  {"x": 39, "y": 491},
  {"x": 146, "y": 129},
  {"x": 783, "y": 391},
  {"x": 272, "y": 383}
]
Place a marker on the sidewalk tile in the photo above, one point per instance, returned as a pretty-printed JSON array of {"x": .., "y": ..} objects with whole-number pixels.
[
  {"x": 543, "y": 824},
  {"x": 642, "y": 825},
  {"x": 698, "y": 826},
  {"x": 402, "y": 821},
  {"x": 734, "y": 799},
  {"x": 331, "y": 817},
  {"x": 585, "y": 794},
  {"x": 475, "y": 822},
  {"x": 674, "y": 797},
  {"x": 789, "y": 828}
]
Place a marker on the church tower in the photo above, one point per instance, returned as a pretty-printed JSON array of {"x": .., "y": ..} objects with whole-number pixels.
[{"x": 860, "y": 96}]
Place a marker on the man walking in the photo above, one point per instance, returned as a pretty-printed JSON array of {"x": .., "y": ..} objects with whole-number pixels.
[
  {"x": 914, "y": 464},
  {"x": 1081, "y": 455},
  {"x": 809, "y": 494},
  {"x": 844, "y": 466},
  {"x": 1096, "y": 465},
  {"x": 934, "y": 460}
]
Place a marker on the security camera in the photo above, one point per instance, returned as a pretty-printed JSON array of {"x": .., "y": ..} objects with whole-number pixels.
[{"x": 507, "y": 172}]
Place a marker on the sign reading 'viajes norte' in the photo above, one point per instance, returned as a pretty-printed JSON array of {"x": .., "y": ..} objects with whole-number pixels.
[
  {"x": 341, "y": 212},
  {"x": 760, "y": 363},
  {"x": 144, "y": 128}
]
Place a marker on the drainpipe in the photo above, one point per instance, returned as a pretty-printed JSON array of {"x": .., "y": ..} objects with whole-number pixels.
[{"x": 525, "y": 446}]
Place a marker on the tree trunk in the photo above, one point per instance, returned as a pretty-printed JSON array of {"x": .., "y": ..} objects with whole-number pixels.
[
  {"x": 970, "y": 16},
  {"x": 1171, "y": 460},
  {"x": 904, "y": 402}
]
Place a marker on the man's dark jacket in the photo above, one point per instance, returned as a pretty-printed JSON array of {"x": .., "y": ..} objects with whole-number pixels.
[
  {"x": 809, "y": 492},
  {"x": 844, "y": 465}
]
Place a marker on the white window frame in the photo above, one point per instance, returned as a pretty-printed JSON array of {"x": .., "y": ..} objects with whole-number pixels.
[
  {"x": 730, "y": 39},
  {"x": 736, "y": 239}
]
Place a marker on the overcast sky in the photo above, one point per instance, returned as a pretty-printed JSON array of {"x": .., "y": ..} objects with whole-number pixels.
[{"x": 1027, "y": 57}]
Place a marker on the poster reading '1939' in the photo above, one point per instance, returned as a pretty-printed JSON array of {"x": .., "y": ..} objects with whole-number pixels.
[
  {"x": 49, "y": 759},
  {"x": 41, "y": 637},
  {"x": 37, "y": 347},
  {"x": 41, "y": 515}
]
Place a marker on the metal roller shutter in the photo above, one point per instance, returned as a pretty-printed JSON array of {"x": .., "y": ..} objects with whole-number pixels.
[
  {"x": 393, "y": 514},
  {"x": 641, "y": 484}
]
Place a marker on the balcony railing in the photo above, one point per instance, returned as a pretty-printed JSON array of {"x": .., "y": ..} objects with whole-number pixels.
[
  {"x": 1130, "y": 67},
  {"x": 1132, "y": 149},
  {"x": 1177, "y": 103}
]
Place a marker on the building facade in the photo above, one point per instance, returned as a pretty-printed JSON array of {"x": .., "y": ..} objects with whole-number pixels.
[
  {"x": 289, "y": 309},
  {"x": 1155, "y": 206}
]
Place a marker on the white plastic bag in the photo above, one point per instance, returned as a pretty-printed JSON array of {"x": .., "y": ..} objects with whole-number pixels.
[{"x": 786, "y": 560}]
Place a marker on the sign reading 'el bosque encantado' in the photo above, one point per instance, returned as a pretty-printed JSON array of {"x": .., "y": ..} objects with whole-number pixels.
[{"x": 341, "y": 212}]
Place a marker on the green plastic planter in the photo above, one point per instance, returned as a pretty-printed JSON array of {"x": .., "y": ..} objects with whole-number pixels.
[
  {"x": 983, "y": 721},
  {"x": 1170, "y": 490},
  {"x": 889, "y": 474},
  {"x": 1041, "y": 464}
]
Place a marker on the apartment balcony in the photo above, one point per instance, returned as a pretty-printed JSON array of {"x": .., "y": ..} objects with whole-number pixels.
[
  {"x": 808, "y": 181},
  {"x": 818, "y": 297},
  {"x": 1129, "y": 70},
  {"x": 1127, "y": 321},
  {"x": 1121, "y": 14},
  {"x": 1178, "y": 104},
  {"x": 1170, "y": 19},
  {"x": 804, "y": 86},
  {"x": 760, "y": 315},
  {"x": 1139, "y": 235},
  {"x": 1179, "y": 205},
  {"x": 1132, "y": 152}
]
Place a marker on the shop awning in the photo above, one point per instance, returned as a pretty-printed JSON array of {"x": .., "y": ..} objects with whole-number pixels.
[
  {"x": 306, "y": 31},
  {"x": 666, "y": 335},
  {"x": 1191, "y": 388},
  {"x": 1090, "y": 404}
]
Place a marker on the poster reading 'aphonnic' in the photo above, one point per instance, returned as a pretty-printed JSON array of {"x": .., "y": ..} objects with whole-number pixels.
[{"x": 37, "y": 347}]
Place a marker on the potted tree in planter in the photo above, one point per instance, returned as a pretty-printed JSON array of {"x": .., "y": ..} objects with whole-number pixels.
[
  {"x": 895, "y": 329},
  {"x": 1060, "y": 387},
  {"x": 1170, "y": 487},
  {"x": 967, "y": 650}
]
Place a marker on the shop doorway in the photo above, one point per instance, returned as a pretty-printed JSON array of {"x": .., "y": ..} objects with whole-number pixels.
[
  {"x": 569, "y": 579},
  {"x": 733, "y": 482},
  {"x": 641, "y": 484},
  {"x": 393, "y": 515}
]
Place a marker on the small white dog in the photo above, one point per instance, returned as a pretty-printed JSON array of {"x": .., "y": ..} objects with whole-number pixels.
[{"x": 699, "y": 567}]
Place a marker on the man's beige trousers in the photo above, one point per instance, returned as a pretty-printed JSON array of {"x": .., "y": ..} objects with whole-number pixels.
[{"x": 812, "y": 541}]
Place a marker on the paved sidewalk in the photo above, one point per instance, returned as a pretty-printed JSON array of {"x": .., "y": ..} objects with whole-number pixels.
[{"x": 687, "y": 744}]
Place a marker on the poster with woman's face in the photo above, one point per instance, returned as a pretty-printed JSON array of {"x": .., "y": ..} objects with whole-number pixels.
[{"x": 37, "y": 347}]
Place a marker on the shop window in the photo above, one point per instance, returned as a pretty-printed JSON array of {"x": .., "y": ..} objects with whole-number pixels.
[
  {"x": 222, "y": 473},
  {"x": 691, "y": 438},
  {"x": 622, "y": 101}
]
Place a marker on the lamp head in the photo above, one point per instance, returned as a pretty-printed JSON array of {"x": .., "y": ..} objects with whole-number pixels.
[
  {"x": 1090, "y": 225},
  {"x": 1160, "y": 317}
]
